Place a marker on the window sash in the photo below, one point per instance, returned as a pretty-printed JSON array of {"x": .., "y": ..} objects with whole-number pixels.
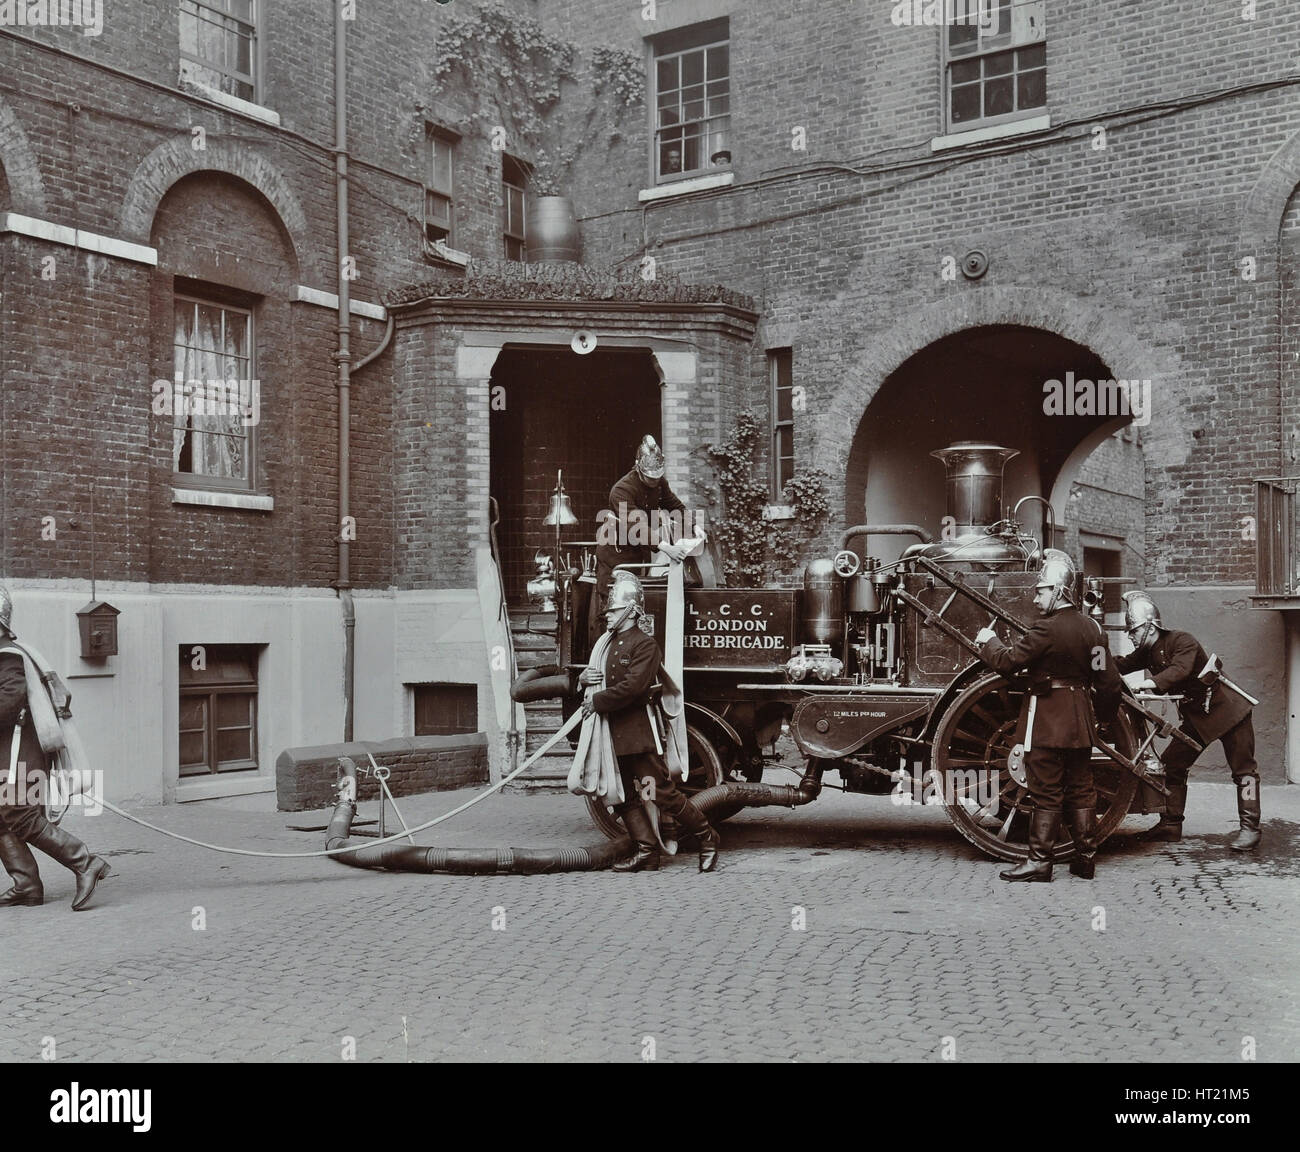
[
  {"x": 996, "y": 74},
  {"x": 781, "y": 372},
  {"x": 692, "y": 107},
  {"x": 211, "y": 730},
  {"x": 212, "y": 343},
  {"x": 439, "y": 210},
  {"x": 219, "y": 38}
]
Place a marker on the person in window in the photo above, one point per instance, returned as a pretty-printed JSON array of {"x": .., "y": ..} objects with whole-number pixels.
[
  {"x": 1173, "y": 662},
  {"x": 25, "y": 712},
  {"x": 1057, "y": 726}
]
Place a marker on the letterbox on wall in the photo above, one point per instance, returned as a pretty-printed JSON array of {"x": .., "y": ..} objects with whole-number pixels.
[{"x": 97, "y": 623}]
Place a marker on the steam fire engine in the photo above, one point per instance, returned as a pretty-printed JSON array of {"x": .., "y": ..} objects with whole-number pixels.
[{"x": 871, "y": 669}]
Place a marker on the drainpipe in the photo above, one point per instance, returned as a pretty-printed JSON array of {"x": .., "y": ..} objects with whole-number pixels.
[{"x": 343, "y": 358}]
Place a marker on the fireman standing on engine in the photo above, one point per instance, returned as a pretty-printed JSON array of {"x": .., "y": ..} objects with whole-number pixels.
[
  {"x": 631, "y": 664},
  {"x": 1174, "y": 661},
  {"x": 1064, "y": 653},
  {"x": 630, "y": 530}
]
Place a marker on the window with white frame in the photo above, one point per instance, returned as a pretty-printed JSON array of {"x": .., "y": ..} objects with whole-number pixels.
[
  {"x": 439, "y": 205},
  {"x": 995, "y": 62},
  {"x": 692, "y": 100},
  {"x": 219, "y": 45},
  {"x": 215, "y": 403},
  {"x": 514, "y": 218},
  {"x": 780, "y": 367}
]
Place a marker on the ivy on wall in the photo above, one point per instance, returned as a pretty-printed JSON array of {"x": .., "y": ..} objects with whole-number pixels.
[
  {"x": 755, "y": 550},
  {"x": 548, "y": 97}
]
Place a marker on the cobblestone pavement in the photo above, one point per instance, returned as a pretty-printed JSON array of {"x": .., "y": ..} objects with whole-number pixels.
[{"x": 912, "y": 950}]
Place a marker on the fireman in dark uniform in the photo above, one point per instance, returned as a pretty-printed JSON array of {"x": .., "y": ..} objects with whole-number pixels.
[
  {"x": 1065, "y": 654},
  {"x": 631, "y": 665},
  {"x": 23, "y": 824},
  {"x": 1173, "y": 662},
  {"x": 630, "y": 534}
]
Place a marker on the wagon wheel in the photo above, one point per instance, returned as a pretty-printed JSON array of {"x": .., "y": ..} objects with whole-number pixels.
[
  {"x": 985, "y": 799},
  {"x": 704, "y": 771}
]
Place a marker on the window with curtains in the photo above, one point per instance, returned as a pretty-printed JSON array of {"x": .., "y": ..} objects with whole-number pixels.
[
  {"x": 439, "y": 210},
  {"x": 219, "y": 45},
  {"x": 216, "y": 400},
  {"x": 692, "y": 91}
]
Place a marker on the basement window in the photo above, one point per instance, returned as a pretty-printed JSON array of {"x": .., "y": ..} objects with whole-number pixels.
[
  {"x": 445, "y": 709},
  {"x": 218, "y": 708}
]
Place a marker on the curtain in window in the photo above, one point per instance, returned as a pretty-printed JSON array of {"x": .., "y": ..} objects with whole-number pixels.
[{"x": 211, "y": 358}]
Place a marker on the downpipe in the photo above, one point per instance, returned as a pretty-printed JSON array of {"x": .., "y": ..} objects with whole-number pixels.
[{"x": 396, "y": 857}]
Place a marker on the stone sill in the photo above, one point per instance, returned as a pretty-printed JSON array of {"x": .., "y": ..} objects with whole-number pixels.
[
  {"x": 778, "y": 512},
  {"x": 682, "y": 187},
  {"x": 202, "y": 497},
  {"x": 233, "y": 103},
  {"x": 439, "y": 253},
  {"x": 235, "y": 784},
  {"x": 992, "y": 132}
]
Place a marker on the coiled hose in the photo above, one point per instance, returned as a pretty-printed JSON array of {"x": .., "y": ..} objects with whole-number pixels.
[{"x": 524, "y": 861}]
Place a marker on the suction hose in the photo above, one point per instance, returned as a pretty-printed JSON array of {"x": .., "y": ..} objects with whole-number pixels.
[{"x": 526, "y": 861}]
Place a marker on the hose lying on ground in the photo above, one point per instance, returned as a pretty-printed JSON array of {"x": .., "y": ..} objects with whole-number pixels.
[{"x": 522, "y": 861}]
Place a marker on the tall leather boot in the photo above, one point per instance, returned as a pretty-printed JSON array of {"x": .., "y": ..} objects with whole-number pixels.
[
  {"x": 695, "y": 822},
  {"x": 19, "y": 862},
  {"x": 1248, "y": 814},
  {"x": 1043, "y": 827},
  {"x": 1170, "y": 827},
  {"x": 1082, "y": 823},
  {"x": 646, "y": 856},
  {"x": 72, "y": 854}
]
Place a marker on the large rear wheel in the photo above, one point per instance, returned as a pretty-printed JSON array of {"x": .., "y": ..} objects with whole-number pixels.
[{"x": 986, "y": 797}]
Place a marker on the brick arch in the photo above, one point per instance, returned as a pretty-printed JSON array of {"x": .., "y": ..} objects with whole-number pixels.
[
  {"x": 173, "y": 161},
  {"x": 1265, "y": 203},
  {"x": 22, "y": 172},
  {"x": 1108, "y": 334}
]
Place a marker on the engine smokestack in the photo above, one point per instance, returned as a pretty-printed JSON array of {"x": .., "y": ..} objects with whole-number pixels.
[{"x": 974, "y": 483}]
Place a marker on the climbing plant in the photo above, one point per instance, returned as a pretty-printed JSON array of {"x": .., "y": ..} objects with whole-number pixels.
[
  {"x": 541, "y": 91},
  {"x": 756, "y": 550}
]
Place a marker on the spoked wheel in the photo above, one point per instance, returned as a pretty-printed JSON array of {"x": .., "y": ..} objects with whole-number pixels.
[
  {"x": 704, "y": 771},
  {"x": 987, "y": 798}
]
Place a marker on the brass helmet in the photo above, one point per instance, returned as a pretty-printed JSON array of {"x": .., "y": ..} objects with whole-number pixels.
[
  {"x": 649, "y": 459},
  {"x": 6, "y": 610},
  {"x": 1141, "y": 619},
  {"x": 1059, "y": 574},
  {"x": 626, "y": 592}
]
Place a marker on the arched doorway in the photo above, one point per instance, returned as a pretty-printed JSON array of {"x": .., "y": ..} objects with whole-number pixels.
[
  {"x": 1025, "y": 388},
  {"x": 554, "y": 411}
]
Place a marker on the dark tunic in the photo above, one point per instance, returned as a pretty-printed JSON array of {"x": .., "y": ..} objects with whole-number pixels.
[
  {"x": 631, "y": 664},
  {"x": 1061, "y": 647},
  {"x": 1173, "y": 663}
]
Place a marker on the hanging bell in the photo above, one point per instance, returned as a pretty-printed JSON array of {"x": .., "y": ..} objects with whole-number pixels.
[{"x": 561, "y": 513}]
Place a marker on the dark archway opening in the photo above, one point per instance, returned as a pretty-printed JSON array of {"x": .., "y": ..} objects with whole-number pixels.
[
  {"x": 559, "y": 411},
  {"x": 983, "y": 383}
]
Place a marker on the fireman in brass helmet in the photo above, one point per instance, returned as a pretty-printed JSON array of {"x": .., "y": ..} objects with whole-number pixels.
[
  {"x": 1065, "y": 654},
  {"x": 22, "y": 818},
  {"x": 629, "y": 533},
  {"x": 628, "y": 680},
  {"x": 1173, "y": 663}
]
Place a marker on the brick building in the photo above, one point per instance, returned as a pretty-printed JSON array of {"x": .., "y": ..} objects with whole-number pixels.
[{"x": 881, "y": 232}]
